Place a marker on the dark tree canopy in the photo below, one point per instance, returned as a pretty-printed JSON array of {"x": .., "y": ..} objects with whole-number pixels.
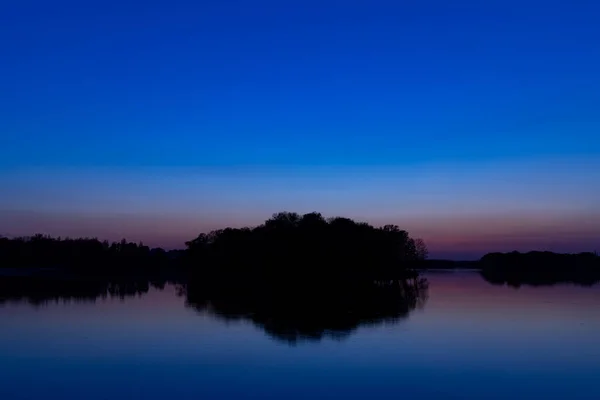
[
  {"x": 297, "y": 277},
  {"x": 87, "y": 255},
  {"x": 289, "y": 246}
]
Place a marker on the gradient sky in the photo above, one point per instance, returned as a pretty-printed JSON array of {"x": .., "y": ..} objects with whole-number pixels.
[{"x": 472, "y": 124}]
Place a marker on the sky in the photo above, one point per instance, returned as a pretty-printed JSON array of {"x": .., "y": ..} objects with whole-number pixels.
[{"x": 472, "y": 124}]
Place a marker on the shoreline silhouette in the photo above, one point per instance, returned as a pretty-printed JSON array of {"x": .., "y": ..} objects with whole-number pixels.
[
  {"x": 307, "y": 250},
  {"x": 296, "y": 277}
]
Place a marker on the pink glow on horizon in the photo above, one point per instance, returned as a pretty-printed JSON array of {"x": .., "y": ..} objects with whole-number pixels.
[
  {"x": 461, "y": 210},
  {"x": 456, "y": 237}
]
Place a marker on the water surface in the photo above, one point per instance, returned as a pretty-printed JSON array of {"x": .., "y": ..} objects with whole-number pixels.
[{"x": 467, "y": 340}]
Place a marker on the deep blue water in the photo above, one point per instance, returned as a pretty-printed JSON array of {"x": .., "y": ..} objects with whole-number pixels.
[{"x": 468, "y": 340}]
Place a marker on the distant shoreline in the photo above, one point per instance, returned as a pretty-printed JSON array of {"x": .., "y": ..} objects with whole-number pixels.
[{"x": 304, "y": 250}]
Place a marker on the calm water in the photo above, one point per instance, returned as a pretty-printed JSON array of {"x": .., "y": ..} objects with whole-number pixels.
[{"x": 469, "y": 340}]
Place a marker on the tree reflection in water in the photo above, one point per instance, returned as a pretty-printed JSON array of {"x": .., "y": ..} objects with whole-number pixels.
[
  {"x": 293, "y": 313},
  {"x": 41, "y": 291},
  {"x": 288, "y": 312}
]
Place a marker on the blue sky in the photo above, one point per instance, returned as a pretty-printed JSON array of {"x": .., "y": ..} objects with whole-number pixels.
[{"x": 388, "y": 106}]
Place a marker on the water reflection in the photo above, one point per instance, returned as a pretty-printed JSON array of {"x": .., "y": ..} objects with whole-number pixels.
[
  {"x": 40, "y": 291},
  {"x": 288, "y": 313},
  {"x": 291, "y": 314},
  {"x": 471, "y": 341},
  {"x": 517, "y": 278}
]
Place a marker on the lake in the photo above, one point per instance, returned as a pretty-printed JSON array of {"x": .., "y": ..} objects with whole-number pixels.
[{"x": 466, "y": 339}]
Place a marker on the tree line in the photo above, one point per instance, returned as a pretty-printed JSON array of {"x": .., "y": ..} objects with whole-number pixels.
[
  {"x": 82, "y": 254},
  {"x": 300, "y": 247},
  {"x": 293, "y": 247},
  {"x": 286, "y": 245},
  {"x": 298, "y": 277}
]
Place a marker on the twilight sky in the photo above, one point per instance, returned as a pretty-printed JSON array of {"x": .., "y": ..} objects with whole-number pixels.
[{"x": 473, "y": 124}]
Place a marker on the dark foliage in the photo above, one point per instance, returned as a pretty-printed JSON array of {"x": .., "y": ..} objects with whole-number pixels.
[
  {"x": 304, "y": 277},
  {"x": 86, "y": 255},
  {"x": 540, "y": 268},
  {"x": 289, "y": 247},
  {"x": 297, "y": 277}
]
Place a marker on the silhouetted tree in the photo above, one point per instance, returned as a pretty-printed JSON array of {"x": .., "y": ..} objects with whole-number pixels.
[
  {"x": 86, "y": 255},
  {"x": 305, "y": 248},
  {"x": 421, "y": 249}
]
